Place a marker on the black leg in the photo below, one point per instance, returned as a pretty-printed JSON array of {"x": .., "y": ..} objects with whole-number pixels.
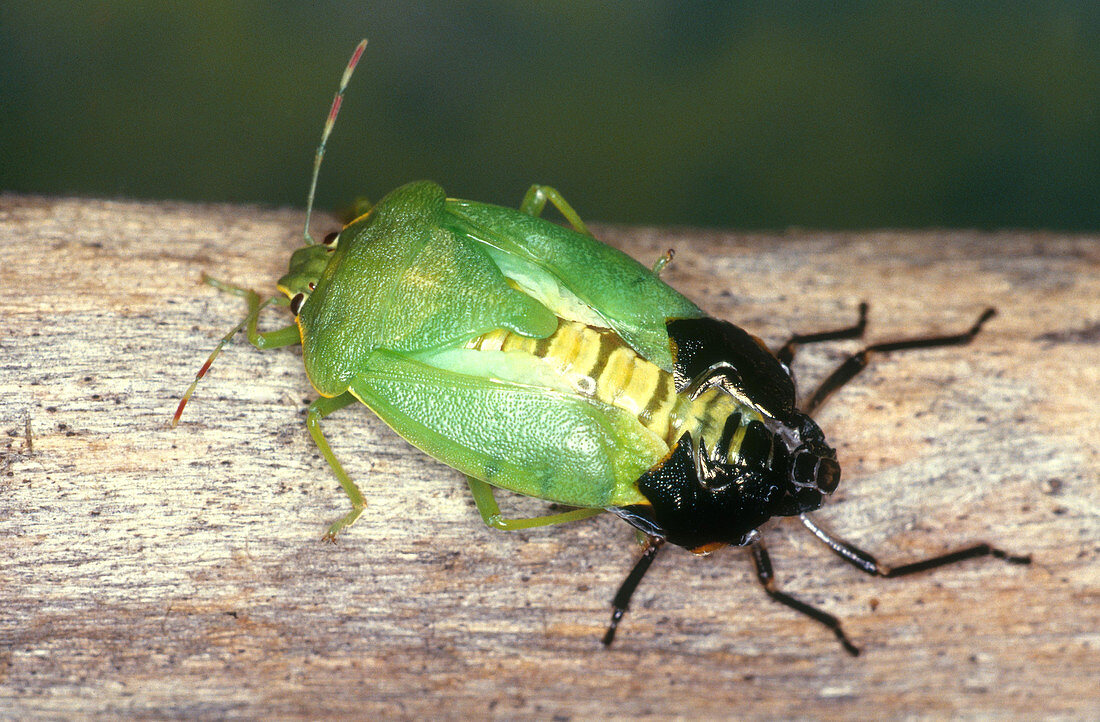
[
  {"x": 626, "y": 590},
  {"x": 858, "y": 361},
  {"x": 786, "y": 353},
  {"x": 867, "y": 563},
  {"x": 766, "y": 575}
]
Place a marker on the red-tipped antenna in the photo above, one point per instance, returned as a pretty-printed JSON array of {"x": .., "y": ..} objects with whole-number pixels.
[
  {"x": 332, "y": 113},
  {"x": 221, "y": 344}
]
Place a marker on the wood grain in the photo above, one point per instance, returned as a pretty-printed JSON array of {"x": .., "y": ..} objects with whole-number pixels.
[{"x": 149, "y": 572}]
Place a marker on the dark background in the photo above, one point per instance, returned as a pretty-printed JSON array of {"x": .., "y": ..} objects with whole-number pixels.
[{"x": 746, "y": 115}]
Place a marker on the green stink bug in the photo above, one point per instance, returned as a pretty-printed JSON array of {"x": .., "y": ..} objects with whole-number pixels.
[{"x": 533, "y": 358}]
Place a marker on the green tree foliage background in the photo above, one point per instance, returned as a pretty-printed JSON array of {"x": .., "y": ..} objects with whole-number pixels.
[{"x": 747, "y": 115}]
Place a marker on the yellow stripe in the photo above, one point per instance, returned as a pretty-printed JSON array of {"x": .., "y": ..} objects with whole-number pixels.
[
  {"x": 599, "y": 364},
  {"x": 614, "y": 378}
]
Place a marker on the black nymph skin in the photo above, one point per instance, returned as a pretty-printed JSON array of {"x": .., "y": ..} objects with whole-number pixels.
[{"x": 783, "y": 467}]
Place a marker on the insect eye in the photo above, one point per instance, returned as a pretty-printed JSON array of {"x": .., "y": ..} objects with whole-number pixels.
[
  {"x": 296, "y": 303},
  {"x": 330, "y": 239},
  {"x": 828, "y": 475},
  {"x": 804, "y": 469}
]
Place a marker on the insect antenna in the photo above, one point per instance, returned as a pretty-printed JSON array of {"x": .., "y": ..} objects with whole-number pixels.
[
  {"x": 255, "y": 306},
  {"x": 329, "y": 123}
]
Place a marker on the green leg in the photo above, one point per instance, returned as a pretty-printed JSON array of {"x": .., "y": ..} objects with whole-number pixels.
[
  {"x": 490, "y": 511},
  {"x": 287, "y": 336},
  {"x": 663, "y": 262},
  {"x": 535, "y": 201},
  {"x": 318, "y": 410}
]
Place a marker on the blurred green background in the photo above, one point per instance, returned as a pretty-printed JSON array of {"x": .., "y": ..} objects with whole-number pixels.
[{"x": 746, "y": 115}]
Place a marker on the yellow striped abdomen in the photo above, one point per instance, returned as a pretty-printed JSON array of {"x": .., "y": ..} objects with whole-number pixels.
[{"x": 597, "y": 363}]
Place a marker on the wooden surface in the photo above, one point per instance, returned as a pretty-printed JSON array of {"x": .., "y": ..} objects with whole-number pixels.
[{"x": 151, "y": 572}]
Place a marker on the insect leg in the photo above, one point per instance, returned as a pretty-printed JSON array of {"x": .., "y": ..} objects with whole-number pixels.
[
  {"x": 766, "y": 574},
  {"x": 535, "y": 200},
  {"x": 490, "y": 511},
  {"x": 286, "y": 336},
  {"x": 867, "y": 563},
  {"x": 786, "y": 353},
  {"x": 858, "y": 361},
  {"x": 318, "y": 410},
  {"x": 626, "y": 590},
  {"x": 663, "y": 261}
]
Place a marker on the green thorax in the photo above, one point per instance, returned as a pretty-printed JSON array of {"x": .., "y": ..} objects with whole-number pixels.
[{"x": 397, "y": 280}]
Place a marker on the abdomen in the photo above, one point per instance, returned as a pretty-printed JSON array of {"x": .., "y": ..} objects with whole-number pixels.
[{"x": 597, "y": 363}]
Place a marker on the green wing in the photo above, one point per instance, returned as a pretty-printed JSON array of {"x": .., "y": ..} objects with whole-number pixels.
[
  {"x": 560, "y": 266},
  {"x": 530, "y": 439}
]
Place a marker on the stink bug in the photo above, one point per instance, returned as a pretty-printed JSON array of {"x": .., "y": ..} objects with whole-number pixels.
[{"x": 533, "y": 358}]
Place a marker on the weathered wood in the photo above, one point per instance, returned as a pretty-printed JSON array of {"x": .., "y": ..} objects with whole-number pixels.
[{"x": 158, "y": 573}]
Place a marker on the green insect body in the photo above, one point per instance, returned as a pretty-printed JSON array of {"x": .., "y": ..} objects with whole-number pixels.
[
  {"x": 399, "y": 316},
  {"x": 535, "y": 359}
]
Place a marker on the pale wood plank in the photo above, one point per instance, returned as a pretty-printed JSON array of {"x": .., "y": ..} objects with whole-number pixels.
[{"x": 157, "y": 573}]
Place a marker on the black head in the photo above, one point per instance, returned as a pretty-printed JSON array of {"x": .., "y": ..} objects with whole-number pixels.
[{"x": 700, "y": 498}]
